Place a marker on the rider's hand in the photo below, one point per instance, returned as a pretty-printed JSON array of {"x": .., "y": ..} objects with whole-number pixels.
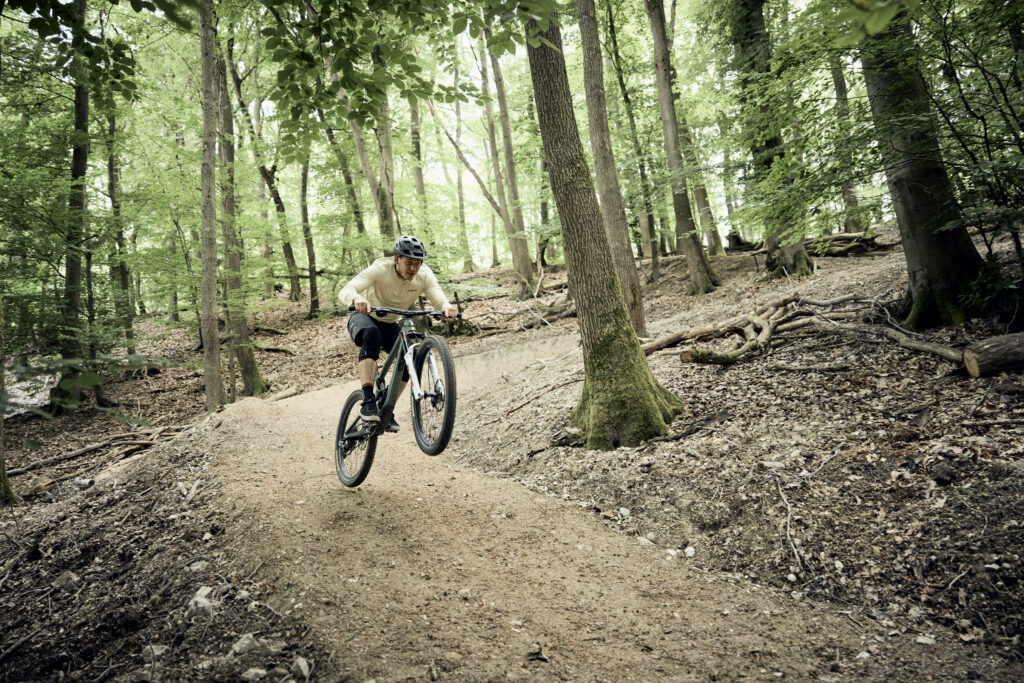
[
  {"x": 450, "y": 312},
  {"x": 360, "y": 304}
]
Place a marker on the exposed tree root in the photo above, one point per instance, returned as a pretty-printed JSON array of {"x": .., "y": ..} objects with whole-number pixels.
[{"x": 756, "y": 330}]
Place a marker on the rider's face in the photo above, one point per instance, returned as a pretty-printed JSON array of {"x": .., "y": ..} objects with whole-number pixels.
[{"x": 407, "y": 267}]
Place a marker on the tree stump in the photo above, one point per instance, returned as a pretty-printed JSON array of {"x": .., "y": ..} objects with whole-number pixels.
[{"x": 995, "y": 354}]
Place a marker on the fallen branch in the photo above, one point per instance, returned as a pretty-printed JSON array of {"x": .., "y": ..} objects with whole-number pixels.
[
  {"x": 550, "y": 388},
  {"x": 947, "y": 352},
  {"x": 276, "y": 349},
  {"x": 286, "y": 393},
  {"x": 692, "y": 427},
  {"x": 155, "y": 436}
]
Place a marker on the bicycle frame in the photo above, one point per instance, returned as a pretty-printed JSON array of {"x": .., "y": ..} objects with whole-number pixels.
[{"x": 402, "y": 343}]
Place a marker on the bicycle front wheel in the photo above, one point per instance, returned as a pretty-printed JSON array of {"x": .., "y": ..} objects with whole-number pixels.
[
  {"x": 354, "y": 443},
  {"x": 433, "y": 414}
]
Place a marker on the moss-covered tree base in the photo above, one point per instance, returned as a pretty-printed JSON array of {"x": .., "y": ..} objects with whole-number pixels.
[
  {"x": 935, "y": 307},
  {"x": 799, "y": 264},
  {"x": 622, "y": 402},
  {"x": 705, "y": 283},
  {"x": 7, "y": 495}
]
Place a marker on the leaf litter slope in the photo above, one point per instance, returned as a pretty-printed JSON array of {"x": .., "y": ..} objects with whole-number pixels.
[{"x": 430, "y": 569}]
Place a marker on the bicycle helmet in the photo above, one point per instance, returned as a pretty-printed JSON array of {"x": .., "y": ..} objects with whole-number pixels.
[{"x": 410, "y": 247}]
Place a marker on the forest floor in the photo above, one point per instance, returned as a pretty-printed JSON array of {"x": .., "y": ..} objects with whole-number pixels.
[{"x": 836, "y": 508}]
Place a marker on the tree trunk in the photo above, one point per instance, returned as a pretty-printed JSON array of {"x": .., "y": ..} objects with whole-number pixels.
[
  {"x": 7, "y": 495},
  {"x": 417, "y": 165},
  {"x": 941, "y": 263},
  {"x": 211, "y": 349},
  {"x": 506, "y": 138},
  {"x": 612, "y": 211},
  {"x": 66, "y": 399},
  {"x": 389, "y": 223},
  {"x": 307, "y": 236},
  {"x": 241, "y": 346},
  {"x": 702, "y": 277},
  {"x": 521, "y": 262},
  {"x": 172, "y": 296},
  {"x": 622, "y": 403},
  {"x": 261, "y": 194},
  {"x": 700, "y": 192},
  {"x": 851, "y": 218},
  {"x": 646, "y": 216},
  {"x": 494, "y": 243},
  {"x": 350, "y": 186},
  {"x": 119, "y": 268},
  {"x": 754, "y": 48},
  {"x": 140, "y": 303},
  {"x": 269, "y": 176}
]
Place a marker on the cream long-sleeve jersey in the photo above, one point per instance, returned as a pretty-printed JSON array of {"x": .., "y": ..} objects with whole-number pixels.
[{"x": 380, "y": 285}]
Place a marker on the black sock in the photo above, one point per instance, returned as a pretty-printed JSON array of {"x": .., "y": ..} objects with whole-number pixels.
[{"x": 368, "y": 392}]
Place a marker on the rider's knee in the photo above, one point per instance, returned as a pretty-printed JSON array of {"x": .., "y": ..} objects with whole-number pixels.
[{"x": 371, "y": 344}]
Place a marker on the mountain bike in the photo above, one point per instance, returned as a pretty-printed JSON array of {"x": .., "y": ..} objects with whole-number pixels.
[{"x": 432, "y": 393}]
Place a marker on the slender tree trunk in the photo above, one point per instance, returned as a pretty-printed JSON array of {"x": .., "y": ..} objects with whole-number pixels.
[
  {"x": 307, "y": 235},
  {"x": 468, "y": 266},
  {"x": 90, "y": 328},
  {"x": 269, "y": 176},
  {"x": 622, "y": 403},
  {"x": 211, "y": 348},
  {"x": 390, "y": 225},
  {"x": 851, "y": 218},
  {"x": 350, "y": 186},
  {"x": 700, "y": 192},
  {"x": 241, "y": 347},
  {"x": 417, "y": 165},
  {"x": 646, "y": 216},
  {"x": 521, "y": 262},
  {"x": 7, "y": 495},
  {"x": 941, "y": 262},
  {"x": 754, "y": 48},
  {"x": 702, "y": 277},
  {"x": 494, "y": 243},
  {"x": 261, "y": 195},
  {"x": 506, "y": 137},
  {"x": 119, "y": 267},
  {"x": 67, "y": 399},
  {"x": 172, "y": 295},
  {"x": 612, "y": 211},
  {"x": 140, "y": 303}
]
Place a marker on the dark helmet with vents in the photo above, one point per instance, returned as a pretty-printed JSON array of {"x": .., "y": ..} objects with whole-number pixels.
[{"x": 410, "y": 247}]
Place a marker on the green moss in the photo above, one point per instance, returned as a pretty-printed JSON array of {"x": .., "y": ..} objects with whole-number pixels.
[
  {"x": 622, "y": 402},
  {"x": 933, "y": 308},
  {"x": 801, "y": 266}
]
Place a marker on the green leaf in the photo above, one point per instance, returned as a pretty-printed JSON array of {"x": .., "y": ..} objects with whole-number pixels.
[
  {"x": 89, "y": 379},
  {"x": 460, "y": 24},
  {"x": 881, "y": 17},
  {"x": 850, "y": 38}
]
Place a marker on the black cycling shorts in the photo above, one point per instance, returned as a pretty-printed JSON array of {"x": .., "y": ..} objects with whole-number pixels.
[{"x": 372, "y": 336}]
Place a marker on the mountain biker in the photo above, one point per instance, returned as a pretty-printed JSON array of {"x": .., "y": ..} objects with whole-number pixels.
[{"x": 392, "y": 283}]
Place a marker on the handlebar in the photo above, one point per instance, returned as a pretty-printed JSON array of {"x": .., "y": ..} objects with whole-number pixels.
[{"x": 408, "y": 314}]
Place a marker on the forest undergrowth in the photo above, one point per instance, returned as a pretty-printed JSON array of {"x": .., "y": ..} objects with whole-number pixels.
[{"x": 883, "y": 480}]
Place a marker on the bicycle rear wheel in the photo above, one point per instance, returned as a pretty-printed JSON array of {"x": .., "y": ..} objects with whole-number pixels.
[
  {"x": 354, "y": 443},
  {"x": 433, "y": 415}
]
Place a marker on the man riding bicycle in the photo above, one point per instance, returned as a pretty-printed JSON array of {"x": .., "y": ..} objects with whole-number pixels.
[{"x": 392, "y": 283}]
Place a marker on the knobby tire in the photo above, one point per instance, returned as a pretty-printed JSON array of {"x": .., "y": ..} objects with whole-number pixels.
[
  {"x": 433, "y": 415},
  {"x": 353, "y": 457}
]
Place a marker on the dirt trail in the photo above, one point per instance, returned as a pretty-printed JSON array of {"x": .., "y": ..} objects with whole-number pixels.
[{"x": 432, "y": 570}]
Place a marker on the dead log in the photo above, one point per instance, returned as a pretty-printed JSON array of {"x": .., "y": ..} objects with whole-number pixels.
[
  {"x": 995, "y": 354},
  {"x": 734, "y": 325}
]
